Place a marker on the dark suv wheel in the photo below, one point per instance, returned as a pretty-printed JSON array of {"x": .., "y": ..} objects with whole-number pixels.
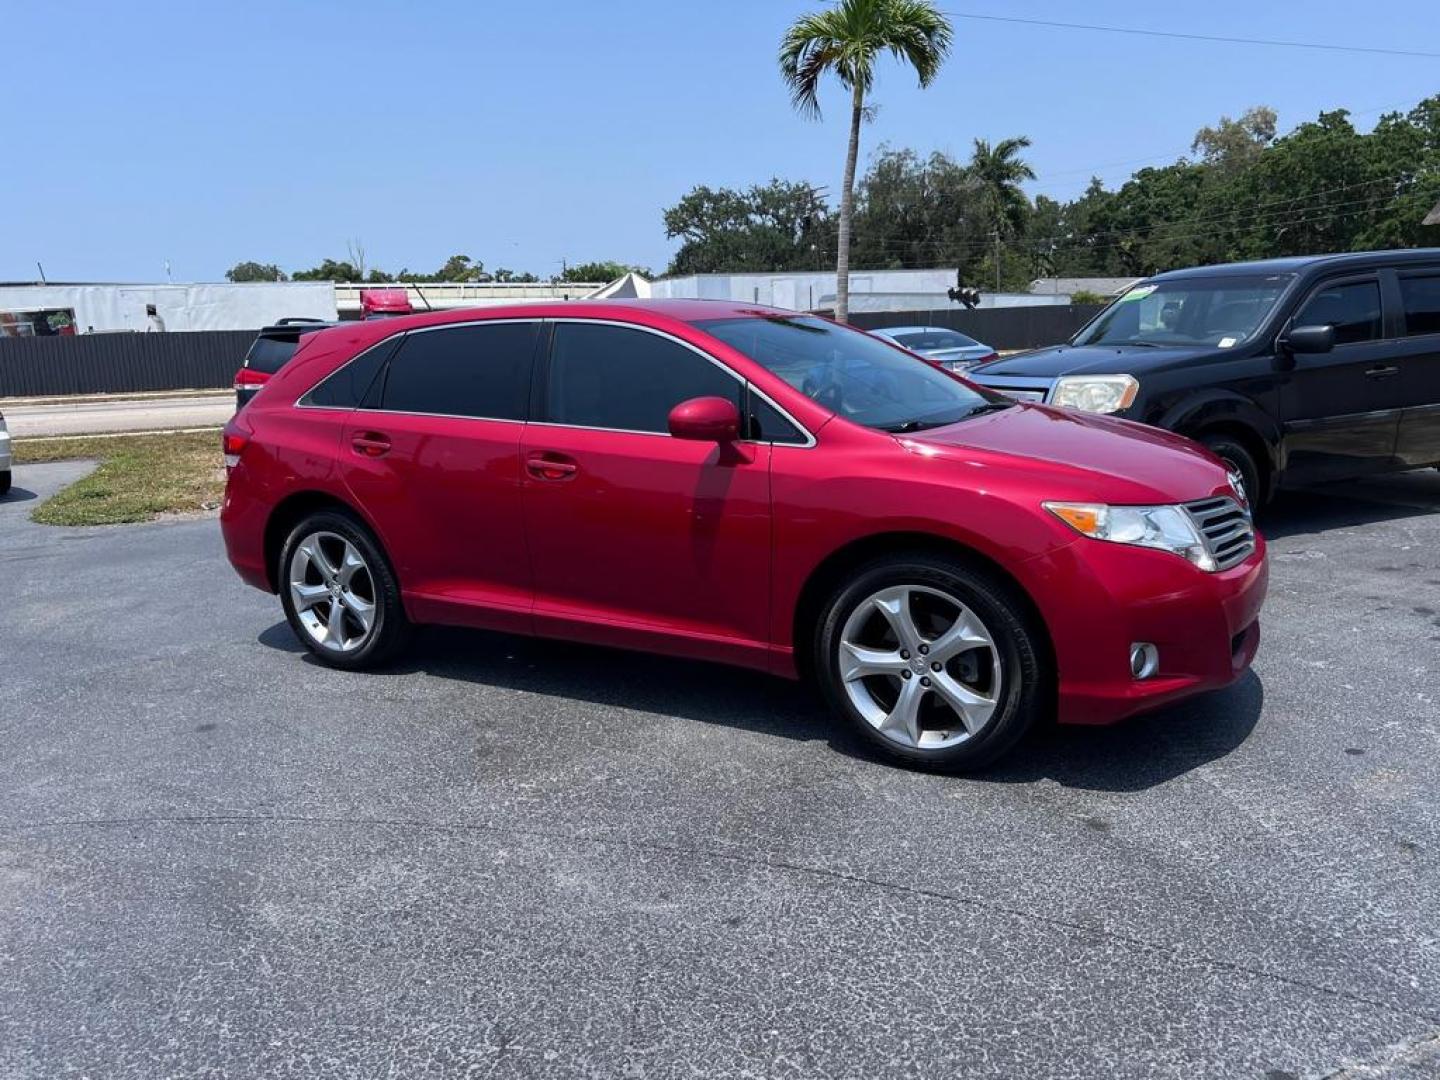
[
  {"x": 931, "y": 661},
  {"x": 1238, "y": 460},
  {"x": 339, "y": 593}
]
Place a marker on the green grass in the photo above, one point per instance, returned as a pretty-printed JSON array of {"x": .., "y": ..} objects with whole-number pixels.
[{"x": 140, "y": 477}]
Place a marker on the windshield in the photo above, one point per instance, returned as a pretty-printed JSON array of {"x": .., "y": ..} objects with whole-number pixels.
[
  {"x": 933, "y": 340},
  {"x": 1221, "y": 312},
  {"x": 860, "y": 377}
]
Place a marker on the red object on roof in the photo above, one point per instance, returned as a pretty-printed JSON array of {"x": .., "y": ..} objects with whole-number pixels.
[{"x": 381, "y": 302}]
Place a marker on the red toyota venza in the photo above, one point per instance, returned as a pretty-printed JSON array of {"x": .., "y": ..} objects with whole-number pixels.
[{"x": 750, "y": 486}]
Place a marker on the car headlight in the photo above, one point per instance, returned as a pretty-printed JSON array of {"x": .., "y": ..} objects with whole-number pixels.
[
  {"x": 1096, "y": 393},
  {"x": 1165, "y": 528}
]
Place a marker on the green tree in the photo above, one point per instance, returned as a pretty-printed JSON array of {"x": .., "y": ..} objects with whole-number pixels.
[
  {"x": 776, "y": 226},
  {"x": 1234, "y": 144},
  {"x": 329, "y": 270},
  {"x": 996, "y": 173},
  {"x": 847, "y": 40},
  {"x": 604, "y": 271},
  {"x": 254, "y": 271},
  {"x": 913, "y": 212},
  {"x": 509, "y": 277}
]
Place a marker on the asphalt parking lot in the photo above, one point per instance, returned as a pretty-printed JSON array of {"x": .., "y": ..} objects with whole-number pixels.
[{"x": 511, "y": 858}]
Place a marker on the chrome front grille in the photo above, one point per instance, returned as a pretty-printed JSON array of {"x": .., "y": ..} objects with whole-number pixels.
[
  {"x": 1020, "y": 395},
  {"x": 1227, "y": 528}
]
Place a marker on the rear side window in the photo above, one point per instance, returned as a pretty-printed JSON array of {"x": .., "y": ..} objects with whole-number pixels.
[
  {"x": 270, "y": 354},
  {"x": 1421, "y": 297},
  {"x": 1353, "y": 309},
  {"x": 346, "y": 388},
  {"x": 480, "y": 370},
  {"x": 627, "y": 380}
]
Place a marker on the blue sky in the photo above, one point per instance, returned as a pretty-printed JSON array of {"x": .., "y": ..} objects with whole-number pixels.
[{"x": 523, "y": 134}]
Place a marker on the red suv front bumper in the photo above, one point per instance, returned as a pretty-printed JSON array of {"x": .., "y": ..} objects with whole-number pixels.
[{"x": 1099, "y": 598}]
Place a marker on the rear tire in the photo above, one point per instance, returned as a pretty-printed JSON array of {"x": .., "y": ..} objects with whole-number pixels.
[
  {"x": 933, "y": 662},
  {"x": 5, "y": 480},
  {"x": 1239, "y": 460},
  {"x": 339, "y": 593}
]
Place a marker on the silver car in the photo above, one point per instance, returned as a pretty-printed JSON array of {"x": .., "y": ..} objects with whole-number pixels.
[
  {"x": 5, "y": 456},
  {"x": 948, "y": 348}
]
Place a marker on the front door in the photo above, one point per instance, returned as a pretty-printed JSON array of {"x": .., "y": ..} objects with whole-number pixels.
[
  {"x": 436, "y": 467},
  {"x": 1419, "y": 357},
  {"x": 1340, "y": 410},
  {"x": 636, "y": 538}
]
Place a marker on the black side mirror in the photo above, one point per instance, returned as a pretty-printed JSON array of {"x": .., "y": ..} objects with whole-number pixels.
[{"x": 1310, "y": 339}]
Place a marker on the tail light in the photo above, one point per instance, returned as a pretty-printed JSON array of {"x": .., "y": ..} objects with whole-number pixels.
[
  {"x": 233, "y": 443},
  {"x": 250, "y": 379},
  {"x": 987, "y": 358}
]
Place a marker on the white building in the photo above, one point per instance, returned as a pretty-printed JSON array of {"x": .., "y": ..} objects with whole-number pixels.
[
  {"x": 870, "y": 290},
  {"x": 97, "y": 307}
]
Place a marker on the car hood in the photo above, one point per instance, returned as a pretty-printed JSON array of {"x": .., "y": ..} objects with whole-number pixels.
[
  {"x": 1079, "y": 456},
  {"x": 1089, "y": 360}
]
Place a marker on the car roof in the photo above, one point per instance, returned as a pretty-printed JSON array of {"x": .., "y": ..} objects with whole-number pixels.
[
  {"x": 917, "y": 330},
  {"x": 1296, "y": 264}
]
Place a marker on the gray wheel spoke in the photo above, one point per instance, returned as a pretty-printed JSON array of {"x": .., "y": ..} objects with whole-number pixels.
[
  {"x": 858, "y": 662},
  {"x": 350, "y": 562},
  {"x": 894, "y": 606},
  {"x": 335, "y": 625},
  {"x": 973, "y": 708},
  {"x": 903, "y": 721},
  {"x": 363, "y": 610},
  {"x": 965, "y": 633},
  {"x": 307, "y": 596}
]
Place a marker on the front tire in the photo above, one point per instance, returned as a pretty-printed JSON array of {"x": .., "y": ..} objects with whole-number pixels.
[
  {"x": 340, "y": 596},
  {"x": 931, "y": 661},
  {"x": 1238, "y": 460}
]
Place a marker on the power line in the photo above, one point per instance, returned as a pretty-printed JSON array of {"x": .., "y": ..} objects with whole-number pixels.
[{"x": 1193, "y": 37}]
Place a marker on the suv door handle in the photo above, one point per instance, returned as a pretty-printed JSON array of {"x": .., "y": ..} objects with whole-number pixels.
[
  {"x": 551, "y": 466},
  {"x": 370, "y": 444},
  {"x": 1381, "y": 372}
]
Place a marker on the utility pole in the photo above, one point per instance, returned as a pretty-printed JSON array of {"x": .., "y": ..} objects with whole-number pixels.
[{"x": 997, "y": 260}]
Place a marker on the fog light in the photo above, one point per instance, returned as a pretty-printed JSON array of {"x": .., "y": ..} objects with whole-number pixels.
[{"x": 1144, "y": 659}]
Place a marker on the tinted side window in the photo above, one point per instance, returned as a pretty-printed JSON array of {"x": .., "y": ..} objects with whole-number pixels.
[
  {"x": 1353, "y": 309},
  {"x": 768, "y": 425},
  {"x": 616, "y": 377},
  {"x": 481, "y": 370},
  {"x": 1422, "y": 305},
  {"x": 346, "y": 388}
]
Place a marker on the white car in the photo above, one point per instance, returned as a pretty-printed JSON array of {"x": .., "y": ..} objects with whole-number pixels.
[
  {"x": 948, "y": 348},
  {"x": 5, "y": 456}
]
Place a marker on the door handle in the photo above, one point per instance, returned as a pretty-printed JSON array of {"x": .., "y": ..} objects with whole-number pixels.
[
  {"x": 370, "y": 444},
  {"x": 551, "y": 467},
  {"x": 1381, "y": 372}
]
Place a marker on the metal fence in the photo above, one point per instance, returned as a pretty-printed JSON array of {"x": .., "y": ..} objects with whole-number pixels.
[
  {"x": 120, "y": 363},
  {"x": 1002, "y": 328}
]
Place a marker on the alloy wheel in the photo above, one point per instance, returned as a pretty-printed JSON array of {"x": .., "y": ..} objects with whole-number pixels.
[
  {"x": 333, "y": 592},
  {"x": 920, "y": 667}
]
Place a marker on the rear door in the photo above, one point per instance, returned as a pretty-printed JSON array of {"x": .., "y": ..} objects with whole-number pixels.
[
  {"x": 1340, "y": 411},
  {"x": 435, "y": 464},
  {"x": 637, "y": 538},
  {"x": 1418, "y": 354}
]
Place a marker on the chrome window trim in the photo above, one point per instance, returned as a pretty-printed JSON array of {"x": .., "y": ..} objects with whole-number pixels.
[{"x": 743, "y": 382}]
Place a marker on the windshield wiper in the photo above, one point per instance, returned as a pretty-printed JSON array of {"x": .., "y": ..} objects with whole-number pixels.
[{"x": 905, "y": 427}]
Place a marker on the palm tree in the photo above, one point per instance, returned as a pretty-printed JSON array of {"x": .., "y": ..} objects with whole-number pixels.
[
  {"x": 847, "y": 40},
  {"x": 997, "y": 173}
]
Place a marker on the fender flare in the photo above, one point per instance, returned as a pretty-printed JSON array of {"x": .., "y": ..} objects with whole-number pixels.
[{"x": 1217, "y": 408}]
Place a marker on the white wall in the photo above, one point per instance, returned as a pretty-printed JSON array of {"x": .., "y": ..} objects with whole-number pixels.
[
  {"x": 182, "y": 307},
  {"x": 870, "y": 290}
]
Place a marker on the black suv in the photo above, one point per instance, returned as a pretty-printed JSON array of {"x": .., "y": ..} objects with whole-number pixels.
[{"x": 1292, "y": 370}]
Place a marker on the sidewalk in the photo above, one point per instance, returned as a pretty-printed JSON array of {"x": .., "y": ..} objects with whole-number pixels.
[{"x": 43, "y": 417}]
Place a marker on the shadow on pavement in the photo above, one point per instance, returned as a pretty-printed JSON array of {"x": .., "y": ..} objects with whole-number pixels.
[
  {"x": 1132, "y": 756},
  {"x": 1353, "y": 503},
  {"x": 17, "y": 495}
]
